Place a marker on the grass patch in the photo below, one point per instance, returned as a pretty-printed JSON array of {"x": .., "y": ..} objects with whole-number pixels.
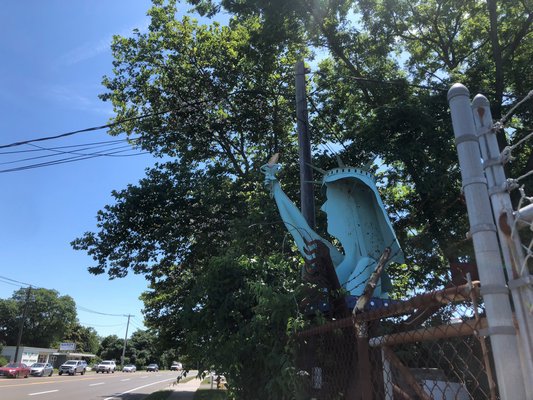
[
  {"x": 159, "y": 395},
  {"x": 209, "y": 394}
]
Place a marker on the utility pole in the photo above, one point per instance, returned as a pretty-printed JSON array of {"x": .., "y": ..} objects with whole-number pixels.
[
  {"x": 21, "y": 326},
  {"x": 307, "y": 196},
  {"x": 125, "y": 341},
  {"x": 304, "y": 144}
]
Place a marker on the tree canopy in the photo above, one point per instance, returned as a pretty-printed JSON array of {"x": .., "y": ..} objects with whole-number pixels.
[
  {"x": 217, "y": 101},
  {"x": 49, "y": 317},
  {"x": 86, "y": 338}
]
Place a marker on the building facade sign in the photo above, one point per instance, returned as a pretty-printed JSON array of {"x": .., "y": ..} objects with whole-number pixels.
[{"x": 67, "y": 346}]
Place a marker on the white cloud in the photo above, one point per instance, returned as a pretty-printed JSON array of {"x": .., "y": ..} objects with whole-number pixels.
[{"x": 89, "y": 50}]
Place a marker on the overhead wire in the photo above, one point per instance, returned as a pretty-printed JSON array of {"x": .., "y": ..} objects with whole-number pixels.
[
  {"x": 66, "y": 160},
  {"x": 327, "y": 124},
  {"x": 18, "y": 282},
  {"x": 11, "y": 283},
  {"x": 135, "y": 325},
  {"x": 110, "y": 125},
  {"x": 390, "y": 83},
  {"x": 100, "y": 313},
  {"x": 95, "y": 128},
  {"x": 102, "y": 326},
  {"x": 93, "y": 145},
  {"x": 57, "y": 152}
]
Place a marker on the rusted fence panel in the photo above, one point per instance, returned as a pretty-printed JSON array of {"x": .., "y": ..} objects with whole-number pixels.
[{"x": 424, "y": 348}]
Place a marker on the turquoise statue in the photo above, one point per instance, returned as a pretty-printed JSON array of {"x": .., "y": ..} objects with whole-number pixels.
[{"x": 355, "y": 216}]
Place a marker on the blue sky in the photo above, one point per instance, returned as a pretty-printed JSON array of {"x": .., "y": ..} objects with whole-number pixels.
[{"x": 53, "y": 55}]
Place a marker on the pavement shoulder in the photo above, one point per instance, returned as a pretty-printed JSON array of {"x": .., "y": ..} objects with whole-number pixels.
[{"x": 185, "y": 390}]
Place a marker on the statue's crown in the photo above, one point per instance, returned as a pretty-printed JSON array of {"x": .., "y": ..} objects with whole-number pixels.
[{"x": 346, "y": 173}]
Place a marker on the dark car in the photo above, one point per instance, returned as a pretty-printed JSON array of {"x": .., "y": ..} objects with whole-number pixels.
[
  {"x": 14, "y": 370},
  {"x": 41, "y": 369},
  {"x": 152, "y": 368}
]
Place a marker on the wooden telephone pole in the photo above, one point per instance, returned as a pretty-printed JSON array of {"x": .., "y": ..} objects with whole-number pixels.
[
  {"x": 21, "y": 326},
  {"x": 304, "y": 141},
  {"x": 125, "y": 341}
]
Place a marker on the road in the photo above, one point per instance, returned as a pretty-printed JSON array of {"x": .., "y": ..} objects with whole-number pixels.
[{"x": 91, "y": 386}]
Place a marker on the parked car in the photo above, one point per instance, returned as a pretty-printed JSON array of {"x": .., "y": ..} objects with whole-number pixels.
[
  {"x": 129, "y": 368},
  {"x": 14, "y": 370},
  {"x": 152, "y": 368},
  {"x": 41, "y": 369},
  {"x": 176, "y": 366},
  {"x": 106, "y": 366},
  {"x": 72, "y": 367}
]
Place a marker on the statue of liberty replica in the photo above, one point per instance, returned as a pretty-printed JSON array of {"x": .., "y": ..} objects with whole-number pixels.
[{"x": 356, "y": 217}]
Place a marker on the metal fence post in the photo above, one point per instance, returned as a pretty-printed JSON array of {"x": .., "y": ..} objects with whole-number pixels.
[
  {"x": 483, "y": 230},
  {"x": 510, "y": 243}
]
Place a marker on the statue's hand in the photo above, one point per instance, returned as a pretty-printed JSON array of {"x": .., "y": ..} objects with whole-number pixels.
[{"x": 270, "y": 171}]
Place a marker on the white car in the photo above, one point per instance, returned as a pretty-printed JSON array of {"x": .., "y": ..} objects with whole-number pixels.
[
  {"x": 129, "y": 368},
  {"x": 176, "y": 366},
  {"x": 41, "y": 369},
  {"x": 72, "y": 367},
  {"x": 106, "y": 366}
]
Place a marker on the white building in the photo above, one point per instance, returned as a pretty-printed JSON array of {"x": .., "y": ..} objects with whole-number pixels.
[{"x": 28, "y": 355}]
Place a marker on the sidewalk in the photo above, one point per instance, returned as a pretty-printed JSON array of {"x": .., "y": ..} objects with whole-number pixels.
[{"x": 184, "y": 391}]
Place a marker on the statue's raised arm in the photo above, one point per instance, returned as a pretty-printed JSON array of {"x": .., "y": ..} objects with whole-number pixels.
[{"x": 293, "y": 219}]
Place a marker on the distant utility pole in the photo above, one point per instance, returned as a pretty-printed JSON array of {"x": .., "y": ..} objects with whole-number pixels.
[
  {"x": 307, "y": 197},
  {"x": 21, "y": 326},
  {"x": 125, "y": 341}
]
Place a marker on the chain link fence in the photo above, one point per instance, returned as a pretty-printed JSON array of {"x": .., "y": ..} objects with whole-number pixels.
[{"x": 427, "y": 347}]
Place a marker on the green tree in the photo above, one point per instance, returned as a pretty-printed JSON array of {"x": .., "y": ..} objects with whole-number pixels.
[
  {"x": 9, "y": 313},
  {"x": 234, "y": 321},
  {"x": 111, "y": 348},
  {"x": 48, "y": 317},
  {"x": 142, "y": 349},
  {"x": 86, "y": 338}
]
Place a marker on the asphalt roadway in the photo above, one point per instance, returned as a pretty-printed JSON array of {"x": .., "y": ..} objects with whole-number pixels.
[{"x": 92, "y": 386}]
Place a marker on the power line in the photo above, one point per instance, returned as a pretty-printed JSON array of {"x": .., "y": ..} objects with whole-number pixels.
[
  {"x": 95, "y": 128},
  {"x": 100, "y": 313},
  {"x": 398, "y": 82},
  {"x": 138, "y": 326},
  {"x": 110, "y": 125},
  {"x": 57, "y": 152},
  {"x": 101, "y": 326},
  {"x": 14, "y": 281},
  {"x": 404, "y": 82},
  {"x": 69, "y": 160},
  {"x": 11, "y": 283},
  {"x": 92, "y": 144},
  {"x": 327, "y": 124}
]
